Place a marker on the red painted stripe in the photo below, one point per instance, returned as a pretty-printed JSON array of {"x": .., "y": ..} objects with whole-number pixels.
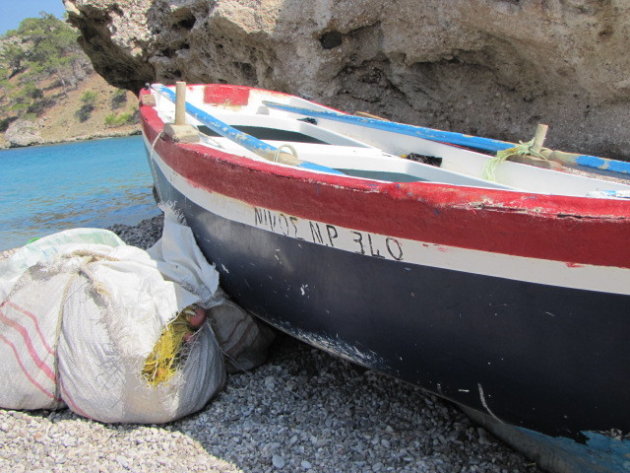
[
  {"x": 25, "y": 371},
  {"x": 29, "y": 346},
  {"x": 35, "y": 322},
  {"x": 561, "y": 228},
  {"x": 67, "y": 398},
  {"x": 225, "y": 95}
]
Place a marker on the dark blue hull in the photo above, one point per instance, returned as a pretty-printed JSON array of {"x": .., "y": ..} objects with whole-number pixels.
[{"x": 527, "y": 354}]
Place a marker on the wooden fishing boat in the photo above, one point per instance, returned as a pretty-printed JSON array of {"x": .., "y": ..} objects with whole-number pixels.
[{"x": 508, "y": 296}]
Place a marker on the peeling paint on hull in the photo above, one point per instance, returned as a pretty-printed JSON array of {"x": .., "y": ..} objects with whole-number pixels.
[{"x": 595, "y": 453}]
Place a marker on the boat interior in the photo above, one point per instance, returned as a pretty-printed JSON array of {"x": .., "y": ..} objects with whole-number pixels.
[{"x": 366, "y": 153}]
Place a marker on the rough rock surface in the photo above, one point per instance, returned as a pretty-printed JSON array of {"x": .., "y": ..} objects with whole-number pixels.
[
  {"x": 23, "y": 133},
  {"x": 490, "y": 67}
]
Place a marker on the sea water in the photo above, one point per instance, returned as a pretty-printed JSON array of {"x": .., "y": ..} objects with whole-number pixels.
[{"x": 98, "y": 183}]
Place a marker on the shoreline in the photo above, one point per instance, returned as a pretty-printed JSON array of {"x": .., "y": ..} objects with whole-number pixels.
[{"x": 131, "y": 131}]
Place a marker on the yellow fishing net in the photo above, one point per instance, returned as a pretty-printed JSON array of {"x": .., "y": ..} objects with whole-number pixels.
[{"x": 162, "y": 363}]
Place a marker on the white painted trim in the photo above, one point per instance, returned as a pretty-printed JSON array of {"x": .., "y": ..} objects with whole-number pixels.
[{"x": 553, "y": 273}]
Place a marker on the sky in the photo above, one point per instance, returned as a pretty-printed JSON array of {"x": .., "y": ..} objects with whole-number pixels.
[{"x": 14, "y": 11}]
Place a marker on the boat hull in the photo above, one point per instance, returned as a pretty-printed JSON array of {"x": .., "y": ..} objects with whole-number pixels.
[
  {"x": 512, "y": 304},
  {"x": 517, "y": 351}
]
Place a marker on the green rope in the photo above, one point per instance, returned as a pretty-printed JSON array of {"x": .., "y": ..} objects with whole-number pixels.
[{"x": 521, "y": 149}]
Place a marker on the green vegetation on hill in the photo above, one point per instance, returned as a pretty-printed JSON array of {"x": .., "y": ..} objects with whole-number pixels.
[
  {"x": 39, "y": 50},
  {"x": 42, "y": 68}
]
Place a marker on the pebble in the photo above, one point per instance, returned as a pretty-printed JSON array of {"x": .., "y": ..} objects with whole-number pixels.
[
  {"x": 278, "y": 461},
  {"x": 270, "y": 383},
  {"x": 336, "y": 418}
]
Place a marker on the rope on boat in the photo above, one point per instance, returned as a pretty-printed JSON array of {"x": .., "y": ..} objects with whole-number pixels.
[
  {"x": 157, "y": 137},
  {"x": 529, "y": 148},
  {"x": 289, "y": 148}
]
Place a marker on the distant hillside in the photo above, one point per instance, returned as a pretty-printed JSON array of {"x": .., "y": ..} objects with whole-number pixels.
[{"x": 49, "y": 91}]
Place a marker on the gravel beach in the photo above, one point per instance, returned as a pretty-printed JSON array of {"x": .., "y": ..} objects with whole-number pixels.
[{"x": 302, "y": 411}]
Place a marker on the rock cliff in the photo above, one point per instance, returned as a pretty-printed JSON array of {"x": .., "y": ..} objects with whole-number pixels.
[{"x": 490, "y": 67}]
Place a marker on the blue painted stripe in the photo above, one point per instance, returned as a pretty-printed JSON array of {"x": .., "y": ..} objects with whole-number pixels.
[
  {"x": 320, "y": 168},
  {"x": 450, "y": 137},
  {"x": 247, "y": 141},
  {"x": 603, "y": 164},
  {"x": 600, "y": 453},
  {"x": 460, "y": 139}
]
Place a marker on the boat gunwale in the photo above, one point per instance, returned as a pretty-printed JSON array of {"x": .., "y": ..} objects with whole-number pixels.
[
  {"x": 540, "y": 224},
  {"x": 476, "y": 197}
]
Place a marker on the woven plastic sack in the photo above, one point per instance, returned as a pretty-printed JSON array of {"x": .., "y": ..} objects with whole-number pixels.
[
  {"x": 32, "y": 294},
  {"x": 243, "y": 340},
  {"x": 81, "y": 313}
]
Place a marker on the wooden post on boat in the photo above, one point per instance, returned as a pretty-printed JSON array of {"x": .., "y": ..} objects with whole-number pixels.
[
  {"x": 262, "y": 149},
  {"x": 555, "y": 159},
  {"x": 542, "y": 160},
  {"x": 180, "y": 130},
  {"x": 539, "y": 159},
  {"x": 180, "y": 103},
  {"x": 539, "y": 137}
]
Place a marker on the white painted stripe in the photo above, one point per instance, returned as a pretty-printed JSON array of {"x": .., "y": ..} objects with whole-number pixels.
[{"x": 554, "y": 273}]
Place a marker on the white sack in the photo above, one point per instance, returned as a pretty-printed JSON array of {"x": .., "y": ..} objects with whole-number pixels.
[
  {"x": 180, "y": 260},
  {"x": 102, "y": 306},
  {"x": 32, "y": 292}
]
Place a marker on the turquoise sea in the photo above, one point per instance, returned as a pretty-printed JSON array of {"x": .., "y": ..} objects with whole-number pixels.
[{"x": 45, "y": 189}]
